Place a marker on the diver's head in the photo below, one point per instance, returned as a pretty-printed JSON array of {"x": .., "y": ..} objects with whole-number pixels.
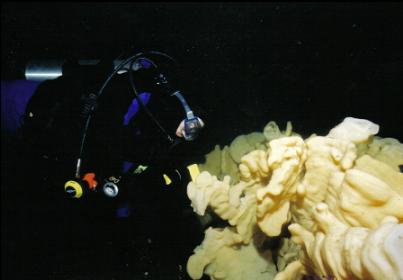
[
  {"x": 190, "y": 125},
  {"x": 189, "y": 129},
  {"x": 177, "y": 120}
]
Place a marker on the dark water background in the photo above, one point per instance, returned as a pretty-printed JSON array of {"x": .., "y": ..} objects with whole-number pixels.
[{"x": 245, "y": 64}]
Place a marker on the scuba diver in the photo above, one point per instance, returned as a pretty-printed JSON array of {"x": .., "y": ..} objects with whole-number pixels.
[
  {"x": 133, "y": 120},
  {"x": 112, "y": 142},
  {"x": 122, "y": 125}
]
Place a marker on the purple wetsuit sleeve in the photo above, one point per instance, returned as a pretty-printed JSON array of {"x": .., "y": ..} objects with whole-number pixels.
[
  {"x": 134, "y": 107},
  {"x": 14, "y": 99}
]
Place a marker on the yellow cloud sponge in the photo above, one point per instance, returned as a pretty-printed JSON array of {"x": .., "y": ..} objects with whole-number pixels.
[
  {"x": 342, "y": 194},
  {"x": 236, "y": 204},
  {"x": 223, "y": 256},
  {"x": 286, "y": 159},
  {"x": 344, "y": 252},
  {"x": 362, "y": 199}
]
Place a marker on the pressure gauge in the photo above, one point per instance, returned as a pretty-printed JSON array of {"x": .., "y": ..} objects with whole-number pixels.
[{"x": 110, "y": 189}]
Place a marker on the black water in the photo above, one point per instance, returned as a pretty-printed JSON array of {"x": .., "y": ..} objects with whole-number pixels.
[{"x": 245, "y": 64}]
